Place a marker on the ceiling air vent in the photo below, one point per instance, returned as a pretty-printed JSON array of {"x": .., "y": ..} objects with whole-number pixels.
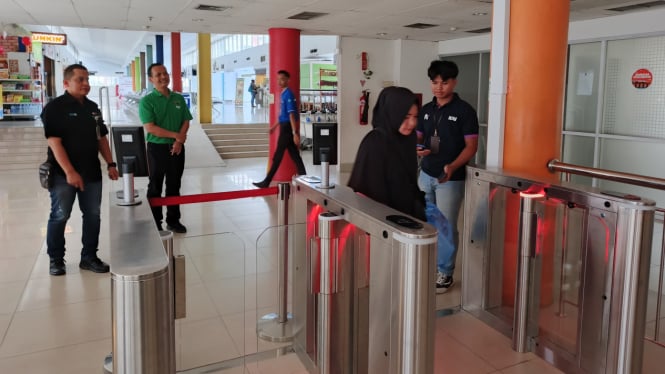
[
  {"x": 212, "y": 8},
  {"x": 420, "y": 25},
  {"x": 628, "y": 8},
  {"x": 307, "y": 15},
  {"x": 480, "y": 31}
]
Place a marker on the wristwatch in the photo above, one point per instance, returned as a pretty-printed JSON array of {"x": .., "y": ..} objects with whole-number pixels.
[{"x": 111, "y": 165}]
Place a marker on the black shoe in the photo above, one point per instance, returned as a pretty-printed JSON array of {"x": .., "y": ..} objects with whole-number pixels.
[
  {"x": 261, "y": 184},
  {"x": 443, "y": 282},
  {"x": 57, "y": 267},
  {"x": 176, "y": 227},
  {"x": 95, "y": 265}
]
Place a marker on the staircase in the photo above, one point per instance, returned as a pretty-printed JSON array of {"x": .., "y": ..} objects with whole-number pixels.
[
  {"x": 22, "y": 148},
  {"x": 239, "y": 141}
]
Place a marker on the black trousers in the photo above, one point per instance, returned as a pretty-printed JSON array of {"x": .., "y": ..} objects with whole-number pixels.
[
  {"x": 163, "y": 165},
  {"x": 285, "y": 143}
]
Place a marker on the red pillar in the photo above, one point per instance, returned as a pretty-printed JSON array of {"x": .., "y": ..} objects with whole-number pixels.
[
  {"x": 284, "y": 55},
  {"x": 176, "y": 68}
]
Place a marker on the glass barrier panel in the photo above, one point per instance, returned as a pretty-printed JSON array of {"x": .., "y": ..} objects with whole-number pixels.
[
  {"x": 656, "y": 331},
  {"x": 562, "y": 230},
  {"x": 271, "y": 325},
  {"x": 502, "y": 256},
  {"x": 212, "y": 334}
]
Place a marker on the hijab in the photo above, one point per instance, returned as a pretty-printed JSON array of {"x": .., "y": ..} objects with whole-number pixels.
[
  {"x": 390, "y": 110},
  {"x": 386, "y": 166}
]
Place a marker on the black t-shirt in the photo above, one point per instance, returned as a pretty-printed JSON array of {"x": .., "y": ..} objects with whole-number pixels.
[
  {"x": 79, "y": 126},
  {"x": 452, "y": 122}
]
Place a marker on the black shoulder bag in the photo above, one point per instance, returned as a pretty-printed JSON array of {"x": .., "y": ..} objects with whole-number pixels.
[{"x": 46, "y": 175}]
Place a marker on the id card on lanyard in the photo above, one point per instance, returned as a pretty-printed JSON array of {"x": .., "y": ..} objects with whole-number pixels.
[{"x": 434, "y": 139}]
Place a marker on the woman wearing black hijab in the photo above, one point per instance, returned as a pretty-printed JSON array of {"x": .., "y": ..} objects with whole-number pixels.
[{"x": 386, "y": 166}]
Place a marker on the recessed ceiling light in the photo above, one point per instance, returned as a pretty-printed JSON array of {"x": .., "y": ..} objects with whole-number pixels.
[
  {"x": 197, "y": 19},
  {"x": 382, "y": 34},
  {"x": 479, "y": 13}
]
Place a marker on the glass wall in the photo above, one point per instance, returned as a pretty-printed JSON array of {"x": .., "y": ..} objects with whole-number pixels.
[
  {"x": 473, "y": 86},
  {"x": 628, "y": 133}
]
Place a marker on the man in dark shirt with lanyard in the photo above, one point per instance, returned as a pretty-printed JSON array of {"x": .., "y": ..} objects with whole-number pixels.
[
  {"x": 76, "y": 133},
  {"x": 448, "y": 130},
  {"x": 289, "y": 135}
]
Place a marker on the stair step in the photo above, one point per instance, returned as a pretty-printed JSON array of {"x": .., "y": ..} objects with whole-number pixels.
[
  {"x": 19, "y": 158},
  {"x": 232, "y": 142},
  {"x": 21, "y": 166},
  {"x": 238, "y": 136},
  {"x": 30, "y": 135},
  {"x": 242, "y": 148},
  {"x": 24, "y": 143},
  {"x": 229, "y": 155}
]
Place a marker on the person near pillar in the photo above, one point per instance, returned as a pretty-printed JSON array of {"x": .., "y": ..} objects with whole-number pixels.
[
  {"x": 76, "y": 133},
  {"x": 448, "y": 132},
  {"x": 253, "y": 90},
  {"x": 386, "y": 166},
  {"x": 289, "y": 132},
  {"x": 165, "y": 118}
]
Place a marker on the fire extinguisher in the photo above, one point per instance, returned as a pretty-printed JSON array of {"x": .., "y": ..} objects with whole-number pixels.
[{"x": 364, "y": 108}]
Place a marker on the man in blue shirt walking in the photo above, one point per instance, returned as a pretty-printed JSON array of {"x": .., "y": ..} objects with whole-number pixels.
[{"x": 289, "y": 134}]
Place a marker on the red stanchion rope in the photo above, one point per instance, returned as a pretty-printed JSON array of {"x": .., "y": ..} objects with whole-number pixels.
[{"x": 214, "y": 196}]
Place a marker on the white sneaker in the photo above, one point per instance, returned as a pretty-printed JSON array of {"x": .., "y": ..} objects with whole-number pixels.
[{"x": 443, "y": 282}]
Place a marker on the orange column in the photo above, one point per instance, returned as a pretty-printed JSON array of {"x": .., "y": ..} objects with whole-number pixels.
[
  {"x": 536, "y": 72},
  {"x": 284, "y": 55},
  {"x": 132, "y": 69},
  {"x": 176, "y": 67},
  {"x": 538, "y": 40}
]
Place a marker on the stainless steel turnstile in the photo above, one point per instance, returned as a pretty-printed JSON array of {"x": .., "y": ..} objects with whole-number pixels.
[
  {"x": 363, "y": 286},
  {"x": 562, "y": 269}
]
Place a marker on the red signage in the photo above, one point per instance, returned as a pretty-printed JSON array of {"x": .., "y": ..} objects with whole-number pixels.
[{"x": 642, "y": 78}]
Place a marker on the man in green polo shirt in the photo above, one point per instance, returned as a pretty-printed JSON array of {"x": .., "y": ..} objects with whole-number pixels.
[{"x": 165, "y": 117}]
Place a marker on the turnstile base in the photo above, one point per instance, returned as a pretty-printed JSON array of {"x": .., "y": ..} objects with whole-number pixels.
[
  {"x": 108, "y": 364},
  {"x": 270, "y": 329}
]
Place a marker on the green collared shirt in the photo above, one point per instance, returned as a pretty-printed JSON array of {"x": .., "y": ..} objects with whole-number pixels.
[{"x": 166, "y": 112}]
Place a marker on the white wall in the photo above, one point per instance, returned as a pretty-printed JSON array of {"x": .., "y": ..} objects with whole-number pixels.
[
  {"x": 400, "y": 62},
  {"x": 414, "y": 57},
  {"x": 615, "y": 27}
]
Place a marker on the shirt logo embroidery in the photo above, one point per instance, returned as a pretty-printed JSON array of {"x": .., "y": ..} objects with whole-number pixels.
[
  {"x": 73, "y": 114},
  {"x": 426, "y": 117},
  {"x": 452, "y": 118}
]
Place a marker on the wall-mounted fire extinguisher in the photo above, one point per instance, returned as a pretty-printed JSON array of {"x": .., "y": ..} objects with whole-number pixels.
[{"x": 364, "y": 107}]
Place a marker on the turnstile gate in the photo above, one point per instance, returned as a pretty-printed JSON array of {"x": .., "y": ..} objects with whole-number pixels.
[
  {"x": 562, "y": 269},
  {"x": 363, "y": 285}
]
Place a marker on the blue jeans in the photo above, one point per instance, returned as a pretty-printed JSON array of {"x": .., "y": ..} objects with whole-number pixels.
[
  {"x": 448, "y": 198},
  {"x": 62, "y": 201}
]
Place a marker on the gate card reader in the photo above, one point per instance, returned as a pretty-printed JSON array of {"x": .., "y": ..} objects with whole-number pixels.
[{"x": 404, "y": 221}]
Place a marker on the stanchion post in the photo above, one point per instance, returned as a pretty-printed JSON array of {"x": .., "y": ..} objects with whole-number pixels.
[
  {"x": 129, "y": 196},
  {"x": 325, "y": 172},
  {"x": 278, "y": 327}
]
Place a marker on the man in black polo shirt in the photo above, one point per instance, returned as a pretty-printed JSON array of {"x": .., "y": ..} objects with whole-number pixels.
[
  {"x": 448, "y": 130},
  {"x": 76, "y": 133}
]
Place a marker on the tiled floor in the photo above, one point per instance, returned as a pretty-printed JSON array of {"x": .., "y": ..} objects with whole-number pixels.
[{"x": 62, "y": 324}]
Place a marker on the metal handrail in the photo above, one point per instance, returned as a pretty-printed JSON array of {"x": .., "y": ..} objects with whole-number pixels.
[{"x": 635, "y": 179}]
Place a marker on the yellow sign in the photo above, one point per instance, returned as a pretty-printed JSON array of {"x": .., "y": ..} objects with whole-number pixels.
[{"x": 48, "y": 38}]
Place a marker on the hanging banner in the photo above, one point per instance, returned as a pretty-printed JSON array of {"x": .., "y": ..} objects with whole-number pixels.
[{"x": 642, "y": 78}]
